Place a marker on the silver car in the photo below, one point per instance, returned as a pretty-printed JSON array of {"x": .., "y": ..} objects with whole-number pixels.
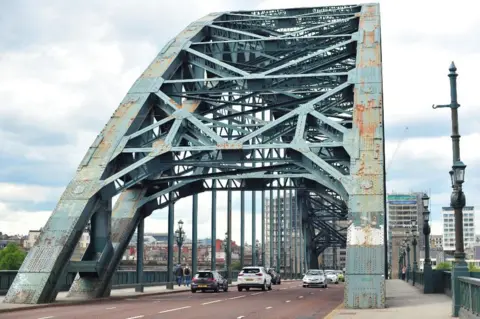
[{"x": 314, "y": 278}]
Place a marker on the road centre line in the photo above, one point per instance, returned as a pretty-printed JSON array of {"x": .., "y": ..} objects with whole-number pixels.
[
  {"x": 237, "y": 297},
  {"x": 175, "y": 309},
  {"x": 215, "y": 301}
]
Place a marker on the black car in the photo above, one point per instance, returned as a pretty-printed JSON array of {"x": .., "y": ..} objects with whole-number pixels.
[
  {"x": 209, "y": 280},
  {"x": 276, "y": 280}
]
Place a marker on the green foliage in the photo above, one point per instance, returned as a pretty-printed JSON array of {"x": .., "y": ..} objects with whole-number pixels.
[
  {"x": 11, "y": 257},
  {"x": 444, "y": 266},
  {"x": 473, "y": 268},
  {"x": 236, "y": 265}
]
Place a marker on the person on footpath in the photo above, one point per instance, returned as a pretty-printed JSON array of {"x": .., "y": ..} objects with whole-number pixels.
[
  {"x": 179, "y": 274},
  {"x": 404, "y": 271},
  {"x": 187, "y": 274}
]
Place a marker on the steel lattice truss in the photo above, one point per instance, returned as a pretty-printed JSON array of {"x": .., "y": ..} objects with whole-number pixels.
[{"x": 243, "y": 101}]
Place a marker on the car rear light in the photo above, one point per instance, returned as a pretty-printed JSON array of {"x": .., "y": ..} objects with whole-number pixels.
[
  {"x": 194, "y": 280},
  {"x": 240, "y": 274},
  {"x": 259, "y": 274},
  {"x": 211, "y": 279}
]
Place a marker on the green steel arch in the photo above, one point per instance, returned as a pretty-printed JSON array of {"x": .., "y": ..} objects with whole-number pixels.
[{"x": 251, "y": 100}]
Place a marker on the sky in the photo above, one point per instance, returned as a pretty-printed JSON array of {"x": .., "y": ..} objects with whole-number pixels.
[{"x": 64, "y": 68}]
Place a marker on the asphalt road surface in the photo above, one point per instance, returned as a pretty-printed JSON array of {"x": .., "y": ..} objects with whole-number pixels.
[{"x": 288, "y": 300}]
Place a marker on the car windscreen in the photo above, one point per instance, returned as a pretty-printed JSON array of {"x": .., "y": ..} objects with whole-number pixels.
[
  {"x": 251, "y": 270},
  {"x": 204, "y": 275},
  {"x": 314, "y": 273}
]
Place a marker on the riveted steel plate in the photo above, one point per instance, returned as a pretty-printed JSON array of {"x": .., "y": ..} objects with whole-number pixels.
[
  {"x": 366, "y": 203},
  {"x": 365, "y": 260},
  {"x": 41, "y": 259},
  {"x": 367, "y": 185},
  {"x": 369, "y": 163},
  {"x": 26, "y": 288},
  {"x": 373, "y": 219},
  {"x": 364, "y": 291},
  {"x": 80, "y": 189}
]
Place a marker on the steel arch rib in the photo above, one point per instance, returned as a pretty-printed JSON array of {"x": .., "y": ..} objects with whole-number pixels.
[{"x": 194, "y": 116}]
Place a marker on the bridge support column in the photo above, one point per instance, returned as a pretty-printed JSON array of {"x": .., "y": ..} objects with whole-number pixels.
[
  {"x": 171, "y": 242},
  {"x": 140, "y": 253},
  {"x": 213, "y": 244},
  {"x": 365, "y": 273},
  {"x": 194, "y": 234},
  {"x": 125, "y": 218}
]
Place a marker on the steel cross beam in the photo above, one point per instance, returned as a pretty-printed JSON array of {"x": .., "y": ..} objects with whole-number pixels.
[{"x": 284, "y": 99}]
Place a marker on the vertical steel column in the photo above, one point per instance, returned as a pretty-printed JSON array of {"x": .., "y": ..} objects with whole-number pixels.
[
  {"x": 263, "y": 201},
  {"x": 278, "y": 228},
  {"x": 194, "y": 233},
  {"x": 271, "y": 239},
  {"x": 296, "y": 235},
  {"x": 242, "y": 228},
  {"x": 285, "y": 239},
  {"x": 290, "y": 229},
  {"x": 140, "y": 250},
  {"x": 229, "y": 233},
  {"x": 242, "y": 216},
  {"x": 171, "y": 241},
  {"x": 254, "y": 227},
  {"x": 213, "y": 248}
]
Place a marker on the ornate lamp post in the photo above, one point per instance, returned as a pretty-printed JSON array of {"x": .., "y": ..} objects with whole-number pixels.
[
  {"x": 400, "y": 261},
  {"x": 457, "y": 199},
  {"x": 427, "y": 265},
  {"x": 404, "y": 255},
  {"x": 180, "y": 238},
  {"x": 407, "y": 243},
  {"x": 414, "y": 244}
]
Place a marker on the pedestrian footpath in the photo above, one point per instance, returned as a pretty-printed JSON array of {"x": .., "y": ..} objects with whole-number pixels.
[{"x": 403, "y": 301}]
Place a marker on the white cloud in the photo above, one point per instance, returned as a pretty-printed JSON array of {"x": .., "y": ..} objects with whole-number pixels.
[
  {"x": 80, "y": 61},
  {"x": 28, "y": 193}
]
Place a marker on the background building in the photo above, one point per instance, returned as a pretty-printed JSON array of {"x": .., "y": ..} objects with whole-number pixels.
[
  {"x": 280, "y": 214},
  {"x": 448, "y": 219},
  {"x": 402, "y": 208},
  {"x": 436, "y": 242}
]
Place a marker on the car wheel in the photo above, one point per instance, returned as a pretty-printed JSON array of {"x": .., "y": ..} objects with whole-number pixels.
[
  {"x": 225, "y": 287},
  {"x": 304, "y": 286},
  {"x": 247, "y": 289},
  {"x": 239, "y": 288},
  {"x": 279, "y": 281},
  {"x": 270, "y": 286},
  {"x": 194, "y": 290},
  {"x": 264, "y": 287}
]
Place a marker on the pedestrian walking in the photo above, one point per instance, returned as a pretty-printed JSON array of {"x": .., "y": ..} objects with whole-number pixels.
[
  {"x": 179, "y": 274},
  {"x": 187, "y": 274},
  {"x": 404, "y": 271}
]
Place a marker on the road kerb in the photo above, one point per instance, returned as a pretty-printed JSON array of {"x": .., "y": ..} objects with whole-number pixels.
[{"x": 334, "y": 311}]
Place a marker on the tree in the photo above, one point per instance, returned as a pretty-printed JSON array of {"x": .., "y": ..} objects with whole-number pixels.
[
  {"x": 473, "y": 268},
  {"x": 236, "y": 265},
  {"x": 11, "y": 257}
]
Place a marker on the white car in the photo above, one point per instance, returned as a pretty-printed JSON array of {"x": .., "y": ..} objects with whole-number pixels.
[
  {"x": 314, "y": 278},
  {"x": 254, "y": 277},
  {"x": 331, "y": 276}
]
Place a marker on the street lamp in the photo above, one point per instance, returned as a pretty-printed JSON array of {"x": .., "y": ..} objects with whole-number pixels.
[
  {"x": 427, "y": 266},
  {"x": 180, "y": 238},
  {"x": 414, "y": 244},
  {"x": 457, "y": 199},
  {"x": 407, "y": 243},
  {"x": 257, "y": 246}
]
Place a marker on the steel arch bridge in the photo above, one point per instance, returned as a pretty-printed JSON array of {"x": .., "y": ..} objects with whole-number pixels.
[{"x": 254, "y": 100}]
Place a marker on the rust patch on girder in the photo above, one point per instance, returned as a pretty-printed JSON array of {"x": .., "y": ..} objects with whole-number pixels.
[
  {"x": 230, "y": 146},
  {"x": 123, "y": 108},
  {"x": 363, "y": 118},
  {"x": 190, "y": 105}
]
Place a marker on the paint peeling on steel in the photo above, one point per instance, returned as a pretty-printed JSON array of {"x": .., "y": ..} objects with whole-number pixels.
[{"x": 365, "y": 282}]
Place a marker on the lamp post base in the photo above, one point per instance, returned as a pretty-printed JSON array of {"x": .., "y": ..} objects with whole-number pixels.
[
  {"x": 170, "y": 285},
  {"x": 428, "y": 279},
  {"x": 460, "y": 269}
]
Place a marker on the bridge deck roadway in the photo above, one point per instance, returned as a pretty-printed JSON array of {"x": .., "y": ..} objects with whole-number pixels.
[
  {"x": 403, "y": 301},
  {"x": 288, "y": 300}
]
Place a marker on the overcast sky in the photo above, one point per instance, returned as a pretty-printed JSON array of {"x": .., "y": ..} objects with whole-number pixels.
[{"x": 65, "y": 66}]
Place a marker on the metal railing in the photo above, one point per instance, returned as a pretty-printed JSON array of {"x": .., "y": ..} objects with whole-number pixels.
[
  {"x": 469, "y": 297},
  {"x": 121, "y": 279}
]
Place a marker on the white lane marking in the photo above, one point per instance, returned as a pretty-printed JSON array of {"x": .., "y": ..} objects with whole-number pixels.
[
  {"x": 312, "y": 293},
  {"x": 130, "y": 299},
  {"x": 283, "y": 288},
  {"x": 300, "y": 297},
  {"x": 46, "y": 317},
  {"x": 110, "y": 308},
  {"x": 240, "y": 317},
  {"x": 288, "y": 301},
  {"x": 136, "y": 317},
  {"x": 268, "y": 308},
  {"x": 237, "y": 297},
  {"x": 207, "y": 303},
  {"x": 257, "y": 293},
  {"x": 175, "y": 309}
]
